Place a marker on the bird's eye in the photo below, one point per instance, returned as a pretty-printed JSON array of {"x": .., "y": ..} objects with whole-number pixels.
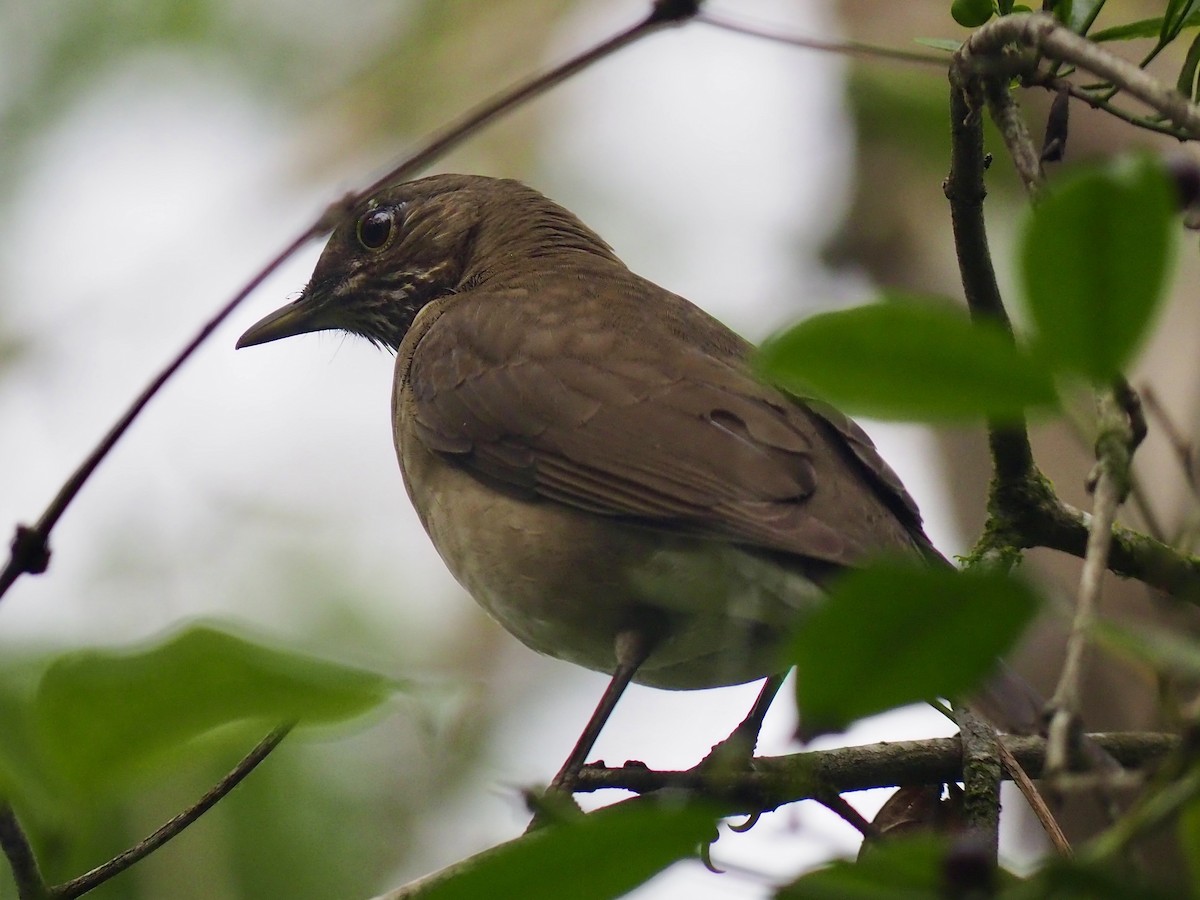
[{"x": 375, "y": 228}]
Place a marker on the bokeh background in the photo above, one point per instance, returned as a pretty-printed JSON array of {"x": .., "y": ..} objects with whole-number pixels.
[{"x": 154, "y": 153}]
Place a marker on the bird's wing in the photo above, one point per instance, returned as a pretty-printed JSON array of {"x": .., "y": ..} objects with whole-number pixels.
[{"x": 657, "y": 431}]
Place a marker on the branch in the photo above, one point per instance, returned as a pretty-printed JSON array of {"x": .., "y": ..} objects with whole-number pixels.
[
  {"x": 964, "y": 188},
  {"x": 815, "y": 775},
  {"x": 1007, "y": 116},
  {"x": 15, "y": 844},
  {"x": 77, "y": 887},
  {"x": 1032, "y": 516},
  {"x": 30, "y": 553},
  {"x": 982, "y": 775},
  {"x": 1015, "y": 44},
  {"x": 777, "y": 781},
  {"x": 1114, "y": 450},
  {"x": 1024, "y": 511},
  {"x": 1056, "y": 84}
]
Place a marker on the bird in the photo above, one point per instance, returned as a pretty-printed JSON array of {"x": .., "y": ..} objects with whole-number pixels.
[{"x": 593, "y": 456}]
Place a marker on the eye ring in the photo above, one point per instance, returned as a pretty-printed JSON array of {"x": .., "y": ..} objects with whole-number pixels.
[{"x": 376, "y": 228}]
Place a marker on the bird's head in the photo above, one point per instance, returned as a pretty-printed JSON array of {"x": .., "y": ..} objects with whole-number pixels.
[{"x": 413, "y": 243}]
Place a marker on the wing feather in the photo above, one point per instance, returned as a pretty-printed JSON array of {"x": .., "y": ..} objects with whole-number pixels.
[{"x": 663, "y": 432}]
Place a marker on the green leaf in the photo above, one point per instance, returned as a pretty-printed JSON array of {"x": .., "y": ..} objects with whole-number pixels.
[
  {"x": 1143, "y": 28},
  {"x": 1094, "y": 261},
  {"x": 896, "y": 633},
  {"x": 1083, "y": 13},
  {"x": 1186, "y": 83},
  {"x": 971, "y": 13},
  {"x": 1061, "y": 10},
  {"x": 909, "y": 869},
  {"x": 1175, "y": 19},
  {"x": 24, "y": 780},
  {"x": 907, "y": 358},
  {"x": 950, "y": 46},
  {"x": 1167, "y": 652},
  {"x": 1075, "y": 880},
  {"x": 602, "y": 855},
  {"x": 102, "y": 715}
]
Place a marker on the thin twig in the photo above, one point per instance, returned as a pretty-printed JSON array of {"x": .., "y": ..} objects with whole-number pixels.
[
  {"x": 663, "y": 13},
  {"x": 30, "y": 547},
  {"x": 31, "y": 544},
  {"x": 15, "y": 843},
  {"x": 1007, "y": 116},
  {"x": 1181, "y": 446},
  {"x": 1113, "y": 453},
  {"x": 1139, "y": 500},
  {"x": 840, "y": 807},
  {"x": 1185, "y": 454},
  {"x": 1083, "y": 430},
  {"x": 1052, "y": 83},
  {"x": 77, "y": 887},
  {"x": 1037, "y": 803},
  {"x": 842, "y": 48}
]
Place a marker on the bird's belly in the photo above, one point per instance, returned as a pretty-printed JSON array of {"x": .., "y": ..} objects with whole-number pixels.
[{"x": 566, "y": 582}]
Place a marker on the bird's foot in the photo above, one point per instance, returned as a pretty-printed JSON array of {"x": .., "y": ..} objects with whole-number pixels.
[
  {"x": 553, "y": 806},
  {"x": 734, "y": 754}
]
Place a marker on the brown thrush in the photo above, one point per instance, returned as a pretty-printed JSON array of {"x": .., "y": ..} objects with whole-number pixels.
[{"x": 590, "y": 453}]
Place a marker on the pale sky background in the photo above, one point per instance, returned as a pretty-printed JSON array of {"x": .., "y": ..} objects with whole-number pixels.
[{"x": 715, "y": 164}]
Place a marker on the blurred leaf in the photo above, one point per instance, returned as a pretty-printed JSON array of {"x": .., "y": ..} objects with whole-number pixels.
[
  {"x": 950, "y": 46},
  {"x": 908, "y": 869},
  {"x": 320, "y": 820},
  {"x": 1074, "y": 880},
  {"x": 603, "y": 855},
  {"x": 102, "y": 715},
  {"x": 895, "y": 633},
  {"x": 1189, "y": 837},
  {"x": 23, "y": 779},
  {"x": 1060, "y": 9},
  {"x": 1094, "y": 259},
  {"x": 1149, "y": 28},
  {"x": 1165, "y": 651},
  {"x": 902, "y": 110},
  {"x": 1143, "y": 28},
  {"x": 907, "y": 359}
]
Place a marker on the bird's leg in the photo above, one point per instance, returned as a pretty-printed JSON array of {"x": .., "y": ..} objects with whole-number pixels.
[
  {"x": 632, "y": 647},
  {"x": 738, "y": 748}
]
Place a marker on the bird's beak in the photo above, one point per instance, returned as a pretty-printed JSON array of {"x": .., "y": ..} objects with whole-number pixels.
[{"x": 301, "y": 317}]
